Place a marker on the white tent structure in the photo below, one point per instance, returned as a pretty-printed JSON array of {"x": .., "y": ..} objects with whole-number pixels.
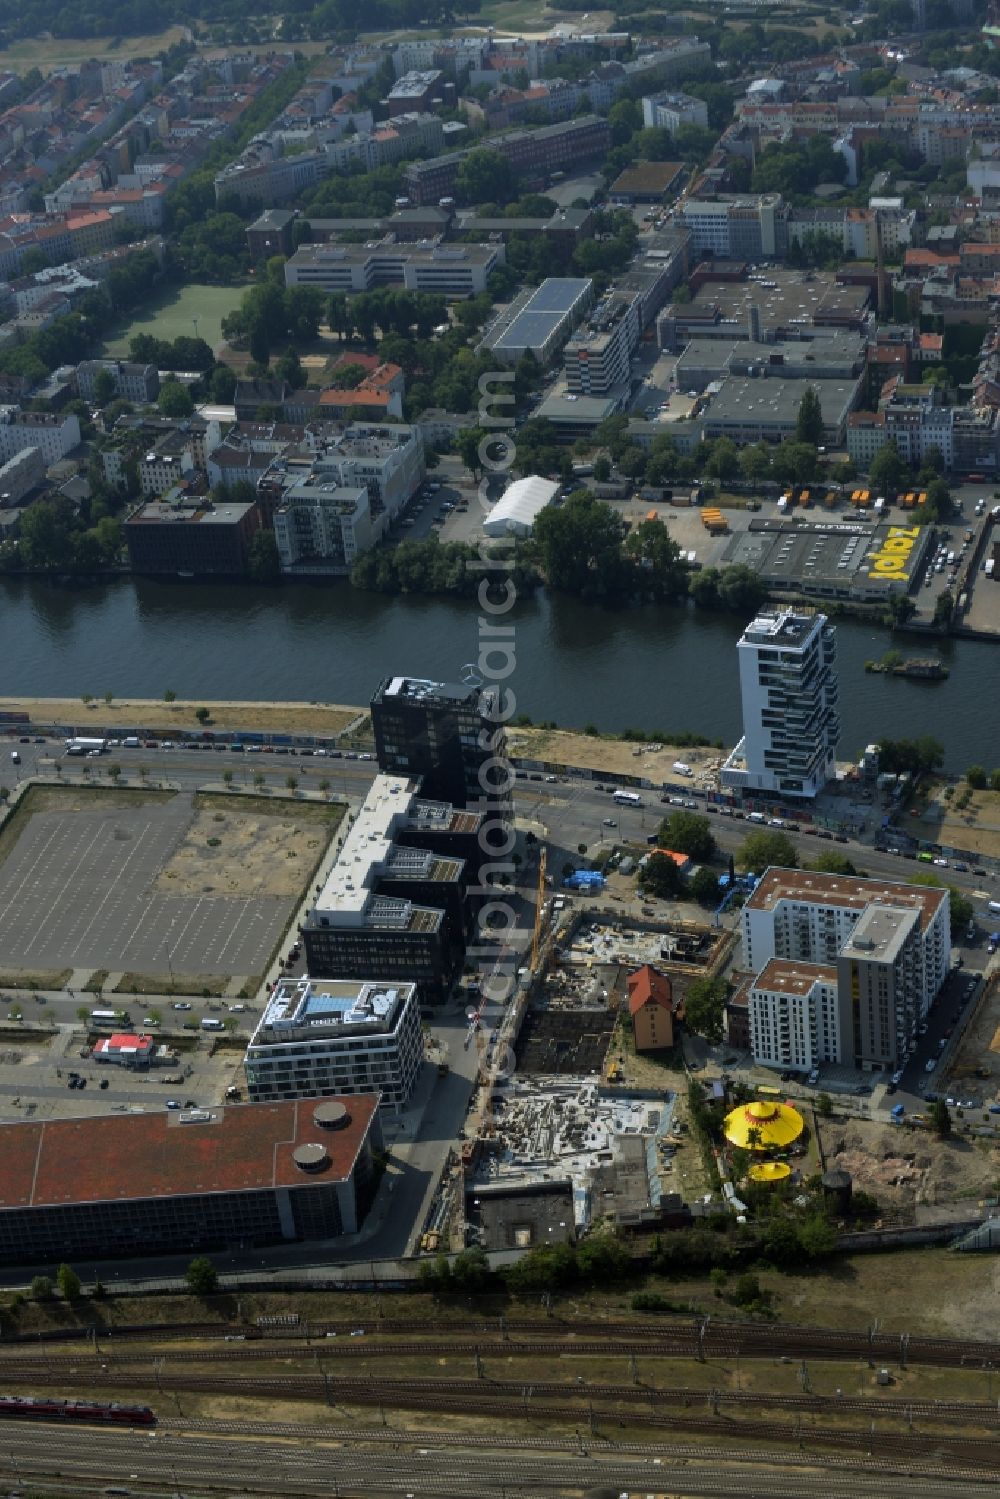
[{"x": 518, "y": 509}]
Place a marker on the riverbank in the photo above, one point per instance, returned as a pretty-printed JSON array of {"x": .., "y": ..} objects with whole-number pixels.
[{"x": 324, "y": 720}]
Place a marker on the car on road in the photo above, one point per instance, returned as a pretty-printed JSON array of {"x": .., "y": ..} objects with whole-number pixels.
[
  {"x": 180, "y": 1004},
  {"x": 172, "y": 1103},
  {"x": 930, "y": 1064},
  {"x": 897, "y": 1077},
  {"x": 813, "y": 1077},
  {"x": 941, "y": 863},
  {"x": 609, "y": 822}
]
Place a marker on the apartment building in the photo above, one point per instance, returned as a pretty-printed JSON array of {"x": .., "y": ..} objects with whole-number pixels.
[
  {"x": 386, "y": 912},
  {"x": 452, "y": 270},
  {"x": 54, "y": 434},
  {"x": 788, "y": 687},
  {"x": 846, "y": 969},
  {"x": 137, "y": 383},
  {"x": 322, "y": 527},
  {"x": 880, "y": 986},
  {"x": 324, "y": 1037},
  {"x": 794, "y": 1018},
  {"x": 20, "y": 475},
  {"x": 667, "y": 111}
]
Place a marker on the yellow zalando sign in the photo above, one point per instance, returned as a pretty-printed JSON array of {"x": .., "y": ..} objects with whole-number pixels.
[{"x": 890, "y": 561}]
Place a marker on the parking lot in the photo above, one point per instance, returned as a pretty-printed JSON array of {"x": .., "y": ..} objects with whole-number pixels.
[
  {"x": 81, "y": 887},
  {"x": 36, "y": 1068}
]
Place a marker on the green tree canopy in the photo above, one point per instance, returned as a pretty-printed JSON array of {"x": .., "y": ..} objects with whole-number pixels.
[
  {"x": 809, "y": 422},
  {"x": 201, "y": 1276},
  {"x": 766, "y": 846},
  {"x": 688, "y": 833},
  {"x": 660, "y": 876},
  {"x": 704, "y": 1007}
]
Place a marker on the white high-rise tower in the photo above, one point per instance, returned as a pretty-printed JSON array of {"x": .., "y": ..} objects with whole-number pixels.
[{"x": 788, "y": 684}]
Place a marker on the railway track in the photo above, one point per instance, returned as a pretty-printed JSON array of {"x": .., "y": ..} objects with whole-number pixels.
[
  {"x": 688, "y": 1336},
  {"x": 588, "y": 1409},
  {"x": 337, "y": 1390},
  {"x": 732, "y": 1340}
]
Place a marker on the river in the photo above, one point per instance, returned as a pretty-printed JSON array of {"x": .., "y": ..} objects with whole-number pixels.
[{"x": 659, "y": 669}]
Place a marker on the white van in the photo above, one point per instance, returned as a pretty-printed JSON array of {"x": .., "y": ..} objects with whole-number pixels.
[
  {"x": 131, "y": 741},
  {"x": 756, "y": 817},
  {"x": 993, "y": 906},
  {"x": 211, "y": 1024}
]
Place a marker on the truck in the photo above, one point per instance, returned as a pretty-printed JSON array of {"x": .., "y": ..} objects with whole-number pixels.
[
  {"x": 86, "y": 746},
  {"x": 990, "y": 568}
]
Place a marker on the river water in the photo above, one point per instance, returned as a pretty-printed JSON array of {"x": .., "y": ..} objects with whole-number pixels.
[{"x": 656, "y": 668}]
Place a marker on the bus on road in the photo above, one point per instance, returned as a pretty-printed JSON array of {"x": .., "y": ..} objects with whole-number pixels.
[
  {"x": 628, "y": 799},
  {"x": 86, "y": 746}
]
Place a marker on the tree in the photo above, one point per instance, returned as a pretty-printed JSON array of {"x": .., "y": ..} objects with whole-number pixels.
[
  {"x": 704, "y": 886},
  {"x": 941, "y": 1118},
  {"x": 765, "y": 847},
  {"x": 68, "y": 1282},
  {"x": 485, "y": 176},
  {"x": 258, "y": 779},
  {"x": 174, "y": 399},
  {"x": 824, "y": 1105},
  {"x": 203, "y": 715},
  {"x": 688, "y": 833},
  {"x": 944, "y": 609},
  {"x": 660, "y": 876},
  {"x": 833, "y": 863},
  {"x": 809, "y": 422},
  {"x": 888, "y": 474},
  {"x": 201, "y": 1276},
  {"x": 976, "y": 777},
  {"x": 82, "y": 1014},
  {"x": 170, "y": 696},
  {"x": 227, "y": 777},
  {"x": 263, "y": 560},
  {"x": 41, "y": 1288},
  {"x": 817, "y": 1238},
  {"x": 704, "y": 1007},
  {"x": 292, "y": 782},
  {"x": 755, "y": 463},
  {"x": 105, "y": 388},
  {"x": 466, "y": 444}
]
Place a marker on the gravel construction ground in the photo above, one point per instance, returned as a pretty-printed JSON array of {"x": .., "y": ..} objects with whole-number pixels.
[
  {"x": 563, "y": 747},
  {"x": 228, "y": 850},
  {"x": 976, "y": 828},
  {"x": 322, "y": 719},
  {"x": 902, "y": 1167}
]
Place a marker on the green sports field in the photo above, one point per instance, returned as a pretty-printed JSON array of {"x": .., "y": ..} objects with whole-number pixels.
[{"x": 173, "y": 312}]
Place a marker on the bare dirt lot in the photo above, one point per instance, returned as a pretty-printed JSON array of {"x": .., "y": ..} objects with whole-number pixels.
[
  {"x": 976, "y": 828},
  {"x": 591, "y": 751},
  {"x": 903, "y": 1167},
  {"x": 980, "y": 1048},
  {"x": 231, "y": 849},
  {"x": 323, "y": 719}
]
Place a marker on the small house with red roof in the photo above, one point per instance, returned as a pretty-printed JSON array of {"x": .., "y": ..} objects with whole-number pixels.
[{"x": 651, "y": 1007}]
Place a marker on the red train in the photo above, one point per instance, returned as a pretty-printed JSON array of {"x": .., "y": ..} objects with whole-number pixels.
[{"x": 44, "y": 1408}]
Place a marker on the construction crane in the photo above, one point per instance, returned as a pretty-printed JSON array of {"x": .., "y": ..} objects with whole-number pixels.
[{"x": 536, "y": 939}]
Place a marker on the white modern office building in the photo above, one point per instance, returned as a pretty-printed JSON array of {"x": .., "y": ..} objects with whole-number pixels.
[
  {"x": 788, "y": 686},
  {"x": 323, "y": 1037},
  {"x": 846, "y": 968}
]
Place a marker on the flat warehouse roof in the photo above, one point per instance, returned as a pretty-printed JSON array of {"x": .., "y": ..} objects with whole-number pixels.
[
  {"x": 122, "y": 1157},
  {"x": 745, "y": 399}
]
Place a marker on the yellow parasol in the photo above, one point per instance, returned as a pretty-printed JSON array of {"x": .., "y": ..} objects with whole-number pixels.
[{"x": 776, "y": 1125}]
